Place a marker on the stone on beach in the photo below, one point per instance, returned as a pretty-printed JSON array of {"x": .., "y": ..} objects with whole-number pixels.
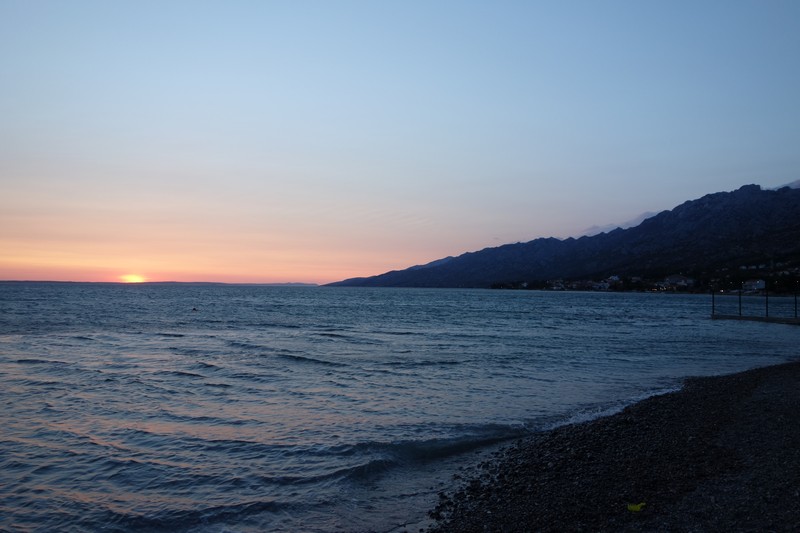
[{"x": 722, "y": 454}]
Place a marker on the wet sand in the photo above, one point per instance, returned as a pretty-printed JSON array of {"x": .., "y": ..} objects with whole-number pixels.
[{"x": 722, "y": 454}]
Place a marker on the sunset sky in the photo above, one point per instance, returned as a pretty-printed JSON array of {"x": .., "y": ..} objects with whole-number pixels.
[{"x": 258, "y": 141}]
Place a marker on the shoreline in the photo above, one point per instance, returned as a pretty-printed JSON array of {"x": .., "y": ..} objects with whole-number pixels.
[{"x": 722, "y": 453}]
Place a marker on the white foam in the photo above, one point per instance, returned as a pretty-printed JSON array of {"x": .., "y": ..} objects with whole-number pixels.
[{"x": 594, "y": 413}]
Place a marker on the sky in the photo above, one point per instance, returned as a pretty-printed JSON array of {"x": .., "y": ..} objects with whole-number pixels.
[{"x": 312, "y": 141}]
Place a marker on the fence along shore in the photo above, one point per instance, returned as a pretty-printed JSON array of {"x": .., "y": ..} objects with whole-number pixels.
[{"x": 764, "y": 315}]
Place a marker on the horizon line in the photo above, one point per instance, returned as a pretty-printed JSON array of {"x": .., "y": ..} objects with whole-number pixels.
[{"x": 296, "y": 283}]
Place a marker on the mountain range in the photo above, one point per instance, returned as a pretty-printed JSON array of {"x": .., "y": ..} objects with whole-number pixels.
[
  {"x": 698, "y": 238},
  {"x": 596, "y": 230}
]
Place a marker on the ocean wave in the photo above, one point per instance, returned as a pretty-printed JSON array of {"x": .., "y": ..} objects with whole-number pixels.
[
  {"x": 334, "y": 335},
  {"x": 43, "y": 383},
  {"x": 236, "y": 446},
  {"x": 307, "y": 359},
  {"x": 397, "y": 333},
  {"x": 246, "y": 346},
  {"x": 183, "y": 350},
  {"x": 472, "y": 438},
  {"x": 262, "y": 377},
  {"x": 218, "y": 385},
  {"x": 593, "y": 412},
  {"x": 204, "y": 365},
  {"x": 350, "y": 339},
  {"x": 178, "y": 373},
  {"x": 36, "y": 361},
  {"x": 411, "y": 363},
  {"x": 204, "y": 419},
  {"x": 183, "y": 519},
  {"x": 367, "y": 461}
]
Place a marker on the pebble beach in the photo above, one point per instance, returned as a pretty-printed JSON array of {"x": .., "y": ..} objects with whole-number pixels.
[{"x": 721, "y": 454}]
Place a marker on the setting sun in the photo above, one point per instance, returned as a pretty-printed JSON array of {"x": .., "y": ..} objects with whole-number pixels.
[{"x": 132, "y": 278}]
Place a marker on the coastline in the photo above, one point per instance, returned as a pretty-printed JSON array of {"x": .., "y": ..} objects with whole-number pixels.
[{"x": 722, "y": 453}]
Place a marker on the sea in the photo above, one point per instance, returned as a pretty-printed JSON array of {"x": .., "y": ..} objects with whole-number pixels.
[{"x": 239, "y": 408}]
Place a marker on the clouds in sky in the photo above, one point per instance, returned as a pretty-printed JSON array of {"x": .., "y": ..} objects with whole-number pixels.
[{"x": 310, "y": 141}]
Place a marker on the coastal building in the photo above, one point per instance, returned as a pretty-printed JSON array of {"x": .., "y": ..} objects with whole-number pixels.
[
  {"x": 677, "y": 282},
  {"x": 754, "y": 285}
]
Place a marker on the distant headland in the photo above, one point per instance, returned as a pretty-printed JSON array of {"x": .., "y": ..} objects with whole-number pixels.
[{"x": 721, "y": 240}]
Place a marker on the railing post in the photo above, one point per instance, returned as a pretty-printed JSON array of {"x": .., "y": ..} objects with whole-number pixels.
[
  {"x": 740, "y": 301},
  {"x": 713, "y": 302}
]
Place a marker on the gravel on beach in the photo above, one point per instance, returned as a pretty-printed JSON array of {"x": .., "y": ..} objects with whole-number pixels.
[{"x": 721, "y": 454}]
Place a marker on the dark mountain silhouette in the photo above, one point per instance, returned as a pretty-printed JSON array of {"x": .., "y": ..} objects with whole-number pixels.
[
  {"x": 597, "y": 230},
  {"x": 717, "y": 231}
]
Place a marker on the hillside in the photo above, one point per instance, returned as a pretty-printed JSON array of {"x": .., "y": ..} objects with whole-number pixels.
[{"x": 699, "y": 237}]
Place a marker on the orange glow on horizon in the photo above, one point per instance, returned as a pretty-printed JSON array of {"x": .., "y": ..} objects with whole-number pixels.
[
  {"x": 205, "y": 258},
  {"x": 270, "y": 269},
  {"x": 132, "y": 278}
]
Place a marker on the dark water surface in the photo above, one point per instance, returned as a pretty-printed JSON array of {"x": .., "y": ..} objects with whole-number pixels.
[{"x": 250, "y": 408}]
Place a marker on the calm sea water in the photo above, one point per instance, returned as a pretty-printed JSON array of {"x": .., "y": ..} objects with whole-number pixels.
[{"x": 247, "y": 408}]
